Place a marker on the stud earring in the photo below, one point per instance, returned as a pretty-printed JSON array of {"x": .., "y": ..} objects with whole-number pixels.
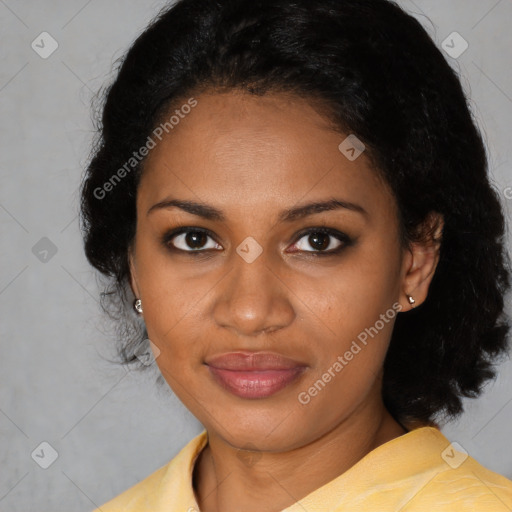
[
  {"x": 137, "y": 305},
  {"x": 411, "y": 301}
]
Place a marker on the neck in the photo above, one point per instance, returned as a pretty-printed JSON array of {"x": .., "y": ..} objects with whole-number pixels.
[{"x": 272, "y": 481}]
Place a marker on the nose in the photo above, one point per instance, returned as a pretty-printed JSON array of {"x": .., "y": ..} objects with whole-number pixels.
[{"x": 253, "y": 299}]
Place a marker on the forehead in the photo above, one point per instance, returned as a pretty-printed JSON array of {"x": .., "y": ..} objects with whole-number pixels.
[{"x": 238, "y": 150}]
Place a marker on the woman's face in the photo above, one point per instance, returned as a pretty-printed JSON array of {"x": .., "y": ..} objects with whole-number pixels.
[{"x": 252, "y": 273}]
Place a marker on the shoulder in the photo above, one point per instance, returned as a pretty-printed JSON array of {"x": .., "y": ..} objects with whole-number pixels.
[
  {"x": 468, "y": 487},
  {"x": 167, "y": 488},
  {"x": 138, "y": 496}
]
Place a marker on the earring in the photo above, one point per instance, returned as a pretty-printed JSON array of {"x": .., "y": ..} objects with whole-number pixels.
[
  {"x": 137, "y": 305},
  {"x": 411, "y": 301}
]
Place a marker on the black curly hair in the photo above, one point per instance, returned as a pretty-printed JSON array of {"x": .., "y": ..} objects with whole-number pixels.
[{"x": 381, "y": 77}]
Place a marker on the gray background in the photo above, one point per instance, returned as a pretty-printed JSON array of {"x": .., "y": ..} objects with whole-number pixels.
[{"x": 110, "y": 426}]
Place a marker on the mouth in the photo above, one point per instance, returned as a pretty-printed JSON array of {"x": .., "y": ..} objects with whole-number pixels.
[{"x": 254, "y": 375}]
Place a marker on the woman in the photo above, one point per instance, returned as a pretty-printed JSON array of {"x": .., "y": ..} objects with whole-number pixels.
[{"x": 295, "y": 197}]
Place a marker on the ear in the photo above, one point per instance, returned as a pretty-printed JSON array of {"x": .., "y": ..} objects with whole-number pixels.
[
  {"x": 133, "y": 272},
  {"x": 420, "y": 261}
]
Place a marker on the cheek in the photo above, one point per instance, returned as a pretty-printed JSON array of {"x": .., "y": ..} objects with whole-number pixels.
[
  {"x": 168, "y": 294},
  {"x": 358, "y": 320},
  {"x": 351, "y": 331},
  {"x": 171, "y": 303},
  {"x": 358, "y": 291},
  {"x": 354, "y": 320}
]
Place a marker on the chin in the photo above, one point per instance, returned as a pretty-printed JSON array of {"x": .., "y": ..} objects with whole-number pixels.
[{"x": 261, "y": 432}]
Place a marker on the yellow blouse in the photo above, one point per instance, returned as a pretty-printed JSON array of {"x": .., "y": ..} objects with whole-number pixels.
[{"x": 419, "y": 471}]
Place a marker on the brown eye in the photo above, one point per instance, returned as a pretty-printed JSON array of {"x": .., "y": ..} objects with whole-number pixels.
[
  {"x": 190, "y": 240},
  {"x": 195, "y": 240},
  {"x": 319, "y": 241},
  {"x": 322, "y": 241}
]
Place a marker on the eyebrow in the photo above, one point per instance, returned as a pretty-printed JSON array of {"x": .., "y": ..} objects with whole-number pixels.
[{"x": 209, "y": 212}]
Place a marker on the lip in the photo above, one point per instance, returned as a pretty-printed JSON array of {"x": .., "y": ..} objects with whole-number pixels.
[
  {"x": 254, "y": 374},
  {"x": 252, "y": 361}
]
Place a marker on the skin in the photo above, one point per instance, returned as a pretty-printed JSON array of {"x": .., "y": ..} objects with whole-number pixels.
[{"x": 252, "y": 157}]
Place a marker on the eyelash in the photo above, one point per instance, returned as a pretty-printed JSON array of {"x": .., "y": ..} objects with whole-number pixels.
[{"x": 345, "y": 240}]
